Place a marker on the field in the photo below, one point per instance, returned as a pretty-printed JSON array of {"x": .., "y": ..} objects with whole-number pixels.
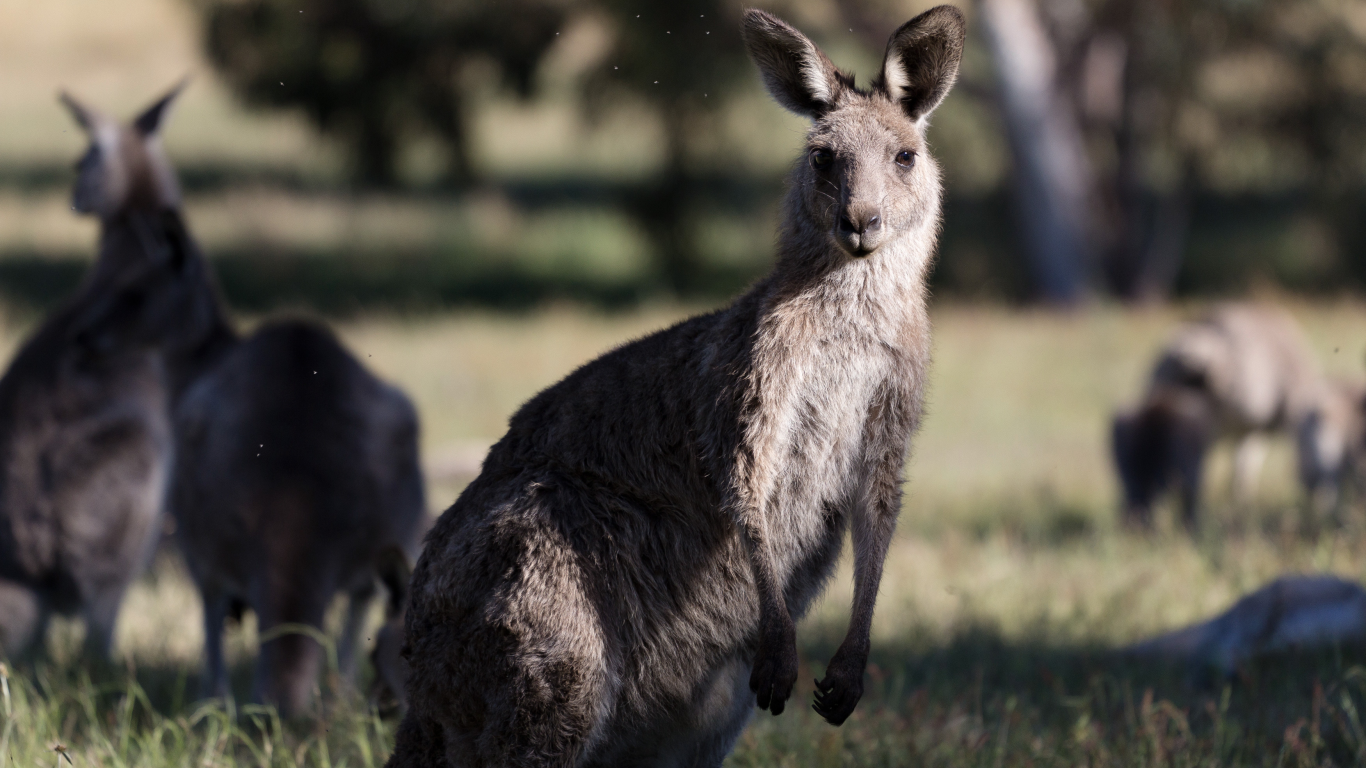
[{"x": 1008, "y": 588}]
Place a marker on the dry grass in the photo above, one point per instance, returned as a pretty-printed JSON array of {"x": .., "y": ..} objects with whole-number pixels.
[{"x": 1005, "y": 587}]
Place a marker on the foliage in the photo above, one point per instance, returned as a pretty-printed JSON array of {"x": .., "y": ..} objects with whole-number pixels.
[{"x": 377, "y": 73}]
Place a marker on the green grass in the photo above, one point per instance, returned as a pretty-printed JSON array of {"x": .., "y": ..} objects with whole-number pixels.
[{"x": 1007, "y": 592}]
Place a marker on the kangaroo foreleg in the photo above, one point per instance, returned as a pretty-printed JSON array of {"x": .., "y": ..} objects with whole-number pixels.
[
  {"x": 873, "y": 523},
  {"x": 775, "y": 661}
]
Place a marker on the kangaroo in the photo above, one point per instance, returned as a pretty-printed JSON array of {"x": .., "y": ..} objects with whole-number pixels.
[
  {"x": 85, "y": 433},
  {"x": 1331, "y": 442},
  {"x": 1292, "y": 612},
  {"x": 391, "y": 669},
  {"x": 295, "y": 467},
  {"x": 1240, "y": 372},
  {"x": 620, "y": 584}
]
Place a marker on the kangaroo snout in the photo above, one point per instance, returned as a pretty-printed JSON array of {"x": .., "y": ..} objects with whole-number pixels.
[{"x": 859, "y": 233}]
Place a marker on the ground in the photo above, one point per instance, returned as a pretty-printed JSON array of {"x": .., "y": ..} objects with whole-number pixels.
[{"x": 1007, "y": 590}]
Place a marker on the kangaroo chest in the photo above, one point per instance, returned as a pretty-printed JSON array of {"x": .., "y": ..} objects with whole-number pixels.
[{"x": 821, "y": 458}]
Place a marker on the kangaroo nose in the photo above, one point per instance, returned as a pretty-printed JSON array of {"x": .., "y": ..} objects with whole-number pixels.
[{"x": 861, "y": 224}]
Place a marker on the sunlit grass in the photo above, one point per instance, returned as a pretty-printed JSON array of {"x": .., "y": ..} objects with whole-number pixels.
[{"x": 1007, "y": 590}]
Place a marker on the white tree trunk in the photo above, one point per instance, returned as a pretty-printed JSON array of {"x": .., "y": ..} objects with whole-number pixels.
[{"x": 1052, "y": 175}]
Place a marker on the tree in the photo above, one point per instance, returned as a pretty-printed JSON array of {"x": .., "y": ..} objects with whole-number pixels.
[{"x": 375, "y": 73}]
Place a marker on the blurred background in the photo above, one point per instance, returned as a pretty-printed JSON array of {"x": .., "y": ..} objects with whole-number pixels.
[
  {"x": 483, "y": 195},
  {"x": 415, "y": 154}
]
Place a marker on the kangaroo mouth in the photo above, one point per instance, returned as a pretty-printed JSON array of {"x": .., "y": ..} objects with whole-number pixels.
[{"x": 855, "y": 245}]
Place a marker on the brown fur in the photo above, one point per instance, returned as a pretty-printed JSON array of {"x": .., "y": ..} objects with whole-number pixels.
[
  {"x": 85, "y": 437},
  {"x": 626, "y": 573}
]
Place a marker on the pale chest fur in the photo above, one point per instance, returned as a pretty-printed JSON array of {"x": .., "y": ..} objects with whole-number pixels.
[{"x": 826, "y": 378}]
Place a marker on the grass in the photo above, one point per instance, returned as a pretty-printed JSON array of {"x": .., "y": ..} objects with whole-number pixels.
[{"x": 1007, "y": 592}]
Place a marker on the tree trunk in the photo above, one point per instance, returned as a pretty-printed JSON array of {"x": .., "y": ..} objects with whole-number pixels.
[{"x": 1052, "y": 175}]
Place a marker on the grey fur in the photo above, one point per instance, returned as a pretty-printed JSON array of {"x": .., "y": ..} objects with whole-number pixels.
[
  {"x": 85, "y": 435},
  {"x": 1291, "y": 613},
  {"x": 1237, "y": 373},
  {"x": 295, "y": 467},
  {"x": 627, "y": 570},
  {"x": 1331, "y": 445}
]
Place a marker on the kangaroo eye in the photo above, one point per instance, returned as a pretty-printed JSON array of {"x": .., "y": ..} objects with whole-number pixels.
[
  {"x": 821, "y": 158},
  {"x": 905, "y": 158}
]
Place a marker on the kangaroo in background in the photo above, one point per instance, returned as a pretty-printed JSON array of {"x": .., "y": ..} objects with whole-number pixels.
[
  {"x": 621, "y": 583},
  {"x": 85, "y": 433},
  {"x": 295, "y": 467},
  {"x": 1240, "y": 372},
  {"x": 1331, "y": 443},
  {"x": 1290, "y": 613}
]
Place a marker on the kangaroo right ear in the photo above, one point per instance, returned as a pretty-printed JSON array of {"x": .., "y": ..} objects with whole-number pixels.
[
  {"x": 922, "y": 60},
  {"x": 795, "y": 71},
  {"x": 149, "y": 122}
]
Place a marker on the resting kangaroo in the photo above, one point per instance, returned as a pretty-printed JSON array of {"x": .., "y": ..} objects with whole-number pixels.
[
  {"x": 1239, "y": 372},
  {"x": 1304, "y": 613},
  {"x": 622, "y": 581},
  {"x": 85, "y": 434},
  {"x": 295, "y": 467}
]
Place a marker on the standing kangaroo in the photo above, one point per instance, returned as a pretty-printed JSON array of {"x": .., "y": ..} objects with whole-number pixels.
[
  {"x": 85, "y": 434},
  {"x": 296, "y": 469},
  {"x": 1240, "y": 372},
  {"x": 623, "y": 578}
]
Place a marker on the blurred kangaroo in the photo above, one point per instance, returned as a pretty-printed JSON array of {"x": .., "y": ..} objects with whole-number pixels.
[
  {"x": 1290, "y": 613},
  {"x": 1331, "y": 442},
  {"x": 622, "y": 581},
  {"x": 1240, "y": 372},
  {"x": 85, "y": 433},
  {"x": 391, "y": 669},
  {"x": 295, "y": 467}
]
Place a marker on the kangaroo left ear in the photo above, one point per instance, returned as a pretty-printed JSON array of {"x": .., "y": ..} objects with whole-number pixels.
[
  {"x": 149, "y": 122},
  {"x": 87, "y": 118},
  {"x": 922, "y": 60}
]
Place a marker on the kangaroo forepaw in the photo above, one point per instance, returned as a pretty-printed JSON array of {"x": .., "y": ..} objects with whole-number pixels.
[
  {"x": 839, "y": 692},
  {"x": 775, "y": 672}
]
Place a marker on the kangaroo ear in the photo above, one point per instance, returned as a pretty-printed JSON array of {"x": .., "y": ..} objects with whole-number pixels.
[
  {"x": 84, "y": 116},
  {"x": 149, "y": 122},
  {"x": 922, "y": 60},
  {"x": 795, "y": 71}
]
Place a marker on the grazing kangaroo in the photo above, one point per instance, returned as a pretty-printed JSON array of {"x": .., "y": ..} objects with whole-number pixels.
[
  {"x": 1239, "y": 372},
  {"x": 1290, "y": 613},
  {"x": 295, "y": 468},
  {"x": 622, "y": 581},
  {"x": 85, "y": 433},
  {"x": 1331, "y": 442}
]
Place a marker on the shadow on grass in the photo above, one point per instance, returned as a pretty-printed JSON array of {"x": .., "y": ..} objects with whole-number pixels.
[
  {"x": 345, "y": 284},
  {"x": 981, "y": 699}
]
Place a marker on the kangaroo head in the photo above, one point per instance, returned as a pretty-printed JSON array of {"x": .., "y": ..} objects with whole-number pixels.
[
  {"x": 867, "y": 178},
  {"x": 125, "y": 167},
  {"x": 1161, "y": 441},
  {"x": 166, "y": 300}
]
